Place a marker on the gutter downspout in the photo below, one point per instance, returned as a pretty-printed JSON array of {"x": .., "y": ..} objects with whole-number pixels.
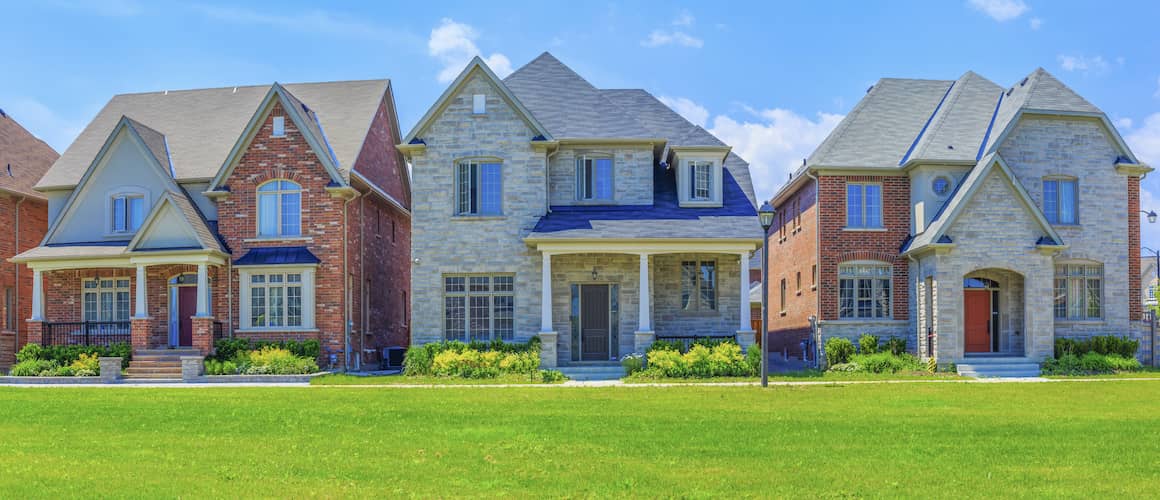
[
  {"x": 348, "y": 323},
  {"x": 362, "y": 282},
  {"x": 16, "y": 280},
  {"x": 817, "y": 254}
]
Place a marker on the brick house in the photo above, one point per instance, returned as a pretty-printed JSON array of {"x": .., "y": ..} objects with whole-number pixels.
[
  {"x": 266, "y": 212},
  {"x": 972, "y": 220},
  {"x": 598, "y": 219},
  {"x": 24, "y": 215}
]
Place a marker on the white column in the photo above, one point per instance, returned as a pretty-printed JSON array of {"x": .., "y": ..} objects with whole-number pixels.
[
  {"x": 745, "y": 323},
  {"x": 644, "y": 323},
  {"x": 37, "y": 295},
  {"x": 142, "y": 283},
  {"x": 546, "y": 294},
  {"x": 202, "y": 290}
]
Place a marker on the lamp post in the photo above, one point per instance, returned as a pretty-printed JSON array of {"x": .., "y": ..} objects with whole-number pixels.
[
  {"x": 765, "y": 216},
  {"x": 1152, "y": 220}
]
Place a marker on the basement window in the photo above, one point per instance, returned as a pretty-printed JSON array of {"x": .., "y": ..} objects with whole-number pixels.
[{"x": 279, "y": 126}]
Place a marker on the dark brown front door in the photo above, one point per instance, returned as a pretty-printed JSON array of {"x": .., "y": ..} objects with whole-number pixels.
[
  {"x": 186, "y": 308},
  {"x": 594, "y": 327},
  {"x": 977, "y": 320}
]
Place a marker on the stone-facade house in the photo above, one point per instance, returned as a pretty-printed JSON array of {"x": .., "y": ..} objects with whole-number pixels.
[
  {"x": 24, "y": 217},
  {"x": 970, "y": 219},
  {"x": 270, "y": 212},
  {"x": 598, "y": 219}
]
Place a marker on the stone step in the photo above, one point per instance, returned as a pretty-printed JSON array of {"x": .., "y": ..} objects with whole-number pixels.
[
  {"x": 1008, "y": 369},
  {"x": 155, "y": 379},
  {"x": 593, "y": 372},
  {"x": 154, "y": 371},
  {"x": 996, "y": 360}
]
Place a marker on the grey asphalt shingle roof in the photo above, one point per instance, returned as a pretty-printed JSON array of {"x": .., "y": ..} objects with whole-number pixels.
[
  {"x": 201, "y": 126},
  {"x": 957, "y": 129},
  {"x": 27, "y": 156}
]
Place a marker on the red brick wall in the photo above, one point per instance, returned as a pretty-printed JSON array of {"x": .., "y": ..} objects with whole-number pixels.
[
  {"x": 788, "y": 255},
  {"x": 31, "y": 217},
  {"x": 378, "y": 160},
  {"x": 1135, "y": 310},
  {"x": 839, "y": 245}
]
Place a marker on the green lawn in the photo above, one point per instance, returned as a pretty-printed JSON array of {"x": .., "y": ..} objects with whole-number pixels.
[
  {"x": 1079, "y": 440},
  {"x": 803, "y": 376},
  {"x": 341, "y": 379},
  {"x": 1147, "y": 372}
]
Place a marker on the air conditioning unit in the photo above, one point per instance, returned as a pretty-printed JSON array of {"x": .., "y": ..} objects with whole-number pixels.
[{"x": 393, "y": 358}]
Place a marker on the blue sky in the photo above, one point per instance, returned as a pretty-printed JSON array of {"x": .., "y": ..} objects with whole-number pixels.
[{"x": 770, "y": 78}]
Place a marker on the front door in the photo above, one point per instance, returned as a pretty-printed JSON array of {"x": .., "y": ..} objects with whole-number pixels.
[
  {"x": 977, "y": 320},
  {"x": 594, "y": 323},
  {"x": 186, "y": 308}
]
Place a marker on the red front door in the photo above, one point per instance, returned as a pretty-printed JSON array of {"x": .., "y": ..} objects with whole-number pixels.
[
  {"x": 186, "y": 308},
  {"x": 976, "y": 319}
]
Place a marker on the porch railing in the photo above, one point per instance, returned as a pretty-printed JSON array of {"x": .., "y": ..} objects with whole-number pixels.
[
  {"x": 687, "y": 341},
  {"x": 86, "y": 333},
  {"x": 219, "y": 331}
]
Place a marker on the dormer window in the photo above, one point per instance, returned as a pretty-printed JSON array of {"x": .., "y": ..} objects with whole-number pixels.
[
  {"x": 701, "y": 175},
  {"x": 128, "y": 212},
  {"x": 279, "y": 126},
  {"x": 699, "y": 179},
  {"x": 594, "y": 178}
]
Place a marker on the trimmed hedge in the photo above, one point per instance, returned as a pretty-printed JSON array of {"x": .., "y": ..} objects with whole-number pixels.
[
  {"x": 1091, "y": 363},
  {"x": 724, "y": 359},
  {"x": 882, "y": 362},
  {"x": 473, "y": 359},
  {"x": 1105, "y": 345},
  {"x": 228, "y": 349}
]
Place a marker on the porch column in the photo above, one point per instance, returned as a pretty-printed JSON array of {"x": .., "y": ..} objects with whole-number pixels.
[
  {"x": 202, "y": 290},
  {"x": 546, "y": 294},
  {"x": 37, "y": 295},
  {"x": 644, "y": 336},
  {"x": 746, "y": 337},
  {"x": 142, "y": 310}
]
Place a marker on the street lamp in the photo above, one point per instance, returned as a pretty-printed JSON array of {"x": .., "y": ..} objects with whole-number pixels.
[
  {"x": 1152, "y": 220},
  {"x": 1151, "y": 215},
  {"x": 765, "y": 215}
]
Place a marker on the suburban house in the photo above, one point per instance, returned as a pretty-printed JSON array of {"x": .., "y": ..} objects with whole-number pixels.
[
  {"x": 1148, "y": 281},
  {"x": 24, "y": 218},
  {"x": 267, "y": 212},
  {"x": 973, "y": 220},
  {"x": 597, "y": 219}
]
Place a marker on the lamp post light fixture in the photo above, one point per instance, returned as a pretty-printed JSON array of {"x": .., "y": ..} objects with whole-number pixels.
[
  {"x": 765, "y": 216},
  {"x": 1151, "y": 214}
]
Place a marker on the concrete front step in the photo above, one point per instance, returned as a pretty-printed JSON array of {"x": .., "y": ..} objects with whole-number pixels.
[
  {"x": 1008, "y": 369},
  {"x": 601, "y": 371}
]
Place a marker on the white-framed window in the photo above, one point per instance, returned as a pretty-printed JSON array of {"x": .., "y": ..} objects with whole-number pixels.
[
  {"x": 479, "y": 104},
  {"x": 864, "y": 205},
  {"x": 127, "y": 212},
  {"x": 1061, "y": 201},
  {"x": 105, "y": 299},
  {"x": 700, "y": 180},
  {"x": 279, "y": 209},
  {"x": 479, "y": 307},
  {"x": 279, "y": 126},
  {"x": 594, "y": 178},
  {"x": 479, "y": 187},
  {"x": 1079, "y": 292},
  {"x": 277, "y": 298},
  {"x": 864, "y": 290},
  {"x": 699, "y": 285}
]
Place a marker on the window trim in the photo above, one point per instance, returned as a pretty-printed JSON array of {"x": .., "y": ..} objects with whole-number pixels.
[
  {"x": 686, "y": 181},
  {"x": 478, "y": 104},
  {"x": 115, "y": 289},
  {"x": 1059, "y": 180},
  {"x": 934, "y": 190},
  {"x": 875, "y": 285},
  {"x": 694, "y": 304},
  {"x": 1086, "y": 278},
  {"x": 467, "y": 294},
  {"x": 581, "y": 177},
  {"x": 279, "y": 193},
  {"x": 245, "y": 320},
  {"x": 110, "y": 204},
  {"x": 455, "y": 198},
  {"x": 881, "y": 206},
  {"x": 278, "y": 126}
]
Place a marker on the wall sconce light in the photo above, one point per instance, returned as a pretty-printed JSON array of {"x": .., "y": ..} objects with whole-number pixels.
[{"x": 594, "y": 272}]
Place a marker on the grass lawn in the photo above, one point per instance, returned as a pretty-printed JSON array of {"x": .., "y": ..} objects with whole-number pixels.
[
  {"x": 1147, "y": 372},
  {"x": 341, "y": 379},
  {"x": 803, "y": 376},
  {"x": 1079, "y": 440}
]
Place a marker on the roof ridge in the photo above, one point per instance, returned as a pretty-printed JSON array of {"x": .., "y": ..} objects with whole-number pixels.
[
  {"x": 922, "y": 131},
  {"x": 251, "y": 86},
  {"x": 940, "y": 115}
]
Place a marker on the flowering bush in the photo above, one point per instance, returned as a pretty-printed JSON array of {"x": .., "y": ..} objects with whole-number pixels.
[{"x": 268, "y": 360}]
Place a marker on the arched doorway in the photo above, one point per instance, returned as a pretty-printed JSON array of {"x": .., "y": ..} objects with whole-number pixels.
[{"x": 992, "y": 312}]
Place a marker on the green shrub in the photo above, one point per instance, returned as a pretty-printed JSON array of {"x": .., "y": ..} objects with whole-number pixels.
[
  {"x": 632, "y": 363},
  {"x": 666, "y": 345},
  {"x": 215, "y": 367},
  {"x": 87, "y": 365},
  {"x": 516, "y": 358},
  {"x": 272, "y": 360},
  {"x": 885, "y": 362},
  {"x": 1091, "y": 363},
  {"x": 868, "y": 344},
  {"x": 839, "y": 350},
  {"x": 725, "y": 359},
  {"x": 753, "y": 358},
  {"x": 71, "y": 355},
  {"x": 552, "y": 376},
  {"x": 34, "y": 368},
  {"x": 896, "y": 346},
  {"x": 1107, "y": 344},
  {"x": 228, "y": 349},
  {"x": 30, "y": 352}
]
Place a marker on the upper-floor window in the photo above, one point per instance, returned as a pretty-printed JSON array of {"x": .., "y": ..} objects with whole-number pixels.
[
  {"x": 1079, "y": 292},
  {"x": 864, "y": 205},
  {"x": 700, "y": 180},
  {"x": 128, "y": 212},
  {"x": 1060, "y": 203},
  {"x": 941, "y": 186},
  {"x": 864, "y": 290},
  {"x": 699, "y": 285},
  {"x": 479, "y": 104},
  {"x": 279, "y": 209},
  {"x": 593, "y": 178},
  {"x": 479, "y": 188},
  {"x": 279, "y": 126}
]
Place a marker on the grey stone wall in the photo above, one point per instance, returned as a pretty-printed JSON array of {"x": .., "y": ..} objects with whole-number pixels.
[
  {"x": 632, "y": 174},
  {"x": 618, "y": 269},
  {"x": 853, "y": 329},
  {"x": 669, "y": 318}
]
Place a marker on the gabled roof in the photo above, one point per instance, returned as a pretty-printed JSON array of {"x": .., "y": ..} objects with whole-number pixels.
[
  {"x": 935, "y": 232},
  {"x": 23, "y": 158},
  {"x": 202, "y": 125},
  {"x": 186, "y": 210},
  {"x": 475, "y": 66}
]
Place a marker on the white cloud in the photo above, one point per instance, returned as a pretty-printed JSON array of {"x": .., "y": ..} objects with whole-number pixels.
[
  {"x": 660, "y": 38},
  {"x": 1085, "y": 64},
  {"x": 314, "y": 21},
  {"x": 453, "y": 44},
  {"x": 1000, "y": 10},
  {"x": 1123, "y": 123},
  {"x": 1036, "y": 23},
  {"x": 684, "y": 18},
  {"x": 775, "y": 144},
  {"x": 44, "y": 123},
  {"x": 685, "y": 107}
]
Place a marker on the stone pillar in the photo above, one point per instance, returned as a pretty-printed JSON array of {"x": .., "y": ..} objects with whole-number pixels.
[
  {"x": 203, "y": 334},
  {"x": 546, "y": 294},
  {"x": 142, "y": 309},
  {"x": 35, "y": 333},
  {"x": 141, "y": 332},
  {"x": 641, "y": 341},
  {"x": 746, "y": 339},
  {"x": 548, "y": 356},
  {"x": 745, "y": 324},
  {"x": 37, "y": 295},
  {"x": 192, "y": 368},
  {"x": 110, "y": 370},
  {"x": 202, "y": 290},
  {"x": 644, "y": 322}
]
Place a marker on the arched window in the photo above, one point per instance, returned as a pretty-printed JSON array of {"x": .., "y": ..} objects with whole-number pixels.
[
  {"x": 279, "y": 209},
  {"x": 979, "y": 283}
]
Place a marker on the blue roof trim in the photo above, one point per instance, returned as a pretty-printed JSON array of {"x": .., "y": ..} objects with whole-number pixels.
[
  {"x": 117, "y": 243},
  {"x": 987, "y": 136},
  {"x": 1046, "y": 240},
  {"x": 666, "y": 206},
  {"x": 275, "y": 256},
  {"x": 945, "y": 239},
  {"x": 923, "y": 131}
]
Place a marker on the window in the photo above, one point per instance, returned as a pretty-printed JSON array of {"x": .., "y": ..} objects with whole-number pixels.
[
  {"x": 799, "y": 282},
  {"x": 814, "y": 277},
  {"x": 276, "y": 300},
  {"x": 797, "y": 211},
  {"x": 864, "y": 291},
  {"x": 699, "y": 285},
  {"x": 128, "y": 212},
  {"x": 479, "y": 307},
  {"x": 279, "y": 209},
  {"x": 479, "y": 104},
  {"x": 105, "y": 299},
  {"x": 781, "y": 225},
  {"x": 701, "y": 180},
  {"x": 9, "y": 308},
  {"x": 1059, "y": 201},
  {"x": 1079, "y": 292},
  {"x": 940, "y": 186},
  {"x": 782, "y": 295},
  {"x": 593, "y": 178},
  {"x": 279, "y": 126},
  {"x": 478, "y": 188},
  {"x": 864, "y": 205}
]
